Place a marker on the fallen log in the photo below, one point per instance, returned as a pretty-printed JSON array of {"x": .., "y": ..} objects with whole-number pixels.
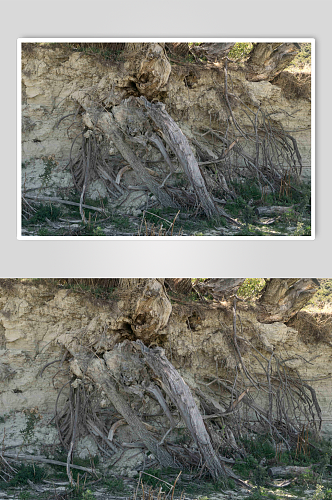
[
  {"x": 274, "y": 210},
  {"x": 290, "y": 470}
]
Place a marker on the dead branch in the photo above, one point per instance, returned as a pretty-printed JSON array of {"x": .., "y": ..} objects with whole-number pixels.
[
  {"x": 36, "y": 458},
  {"x": 63, "y": 202}
]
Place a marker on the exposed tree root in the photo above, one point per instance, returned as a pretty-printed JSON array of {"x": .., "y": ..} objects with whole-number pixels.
[
  {"x": 263, "y": 394},
  {"x": 132, "y": 369},
  {"x": 137, "y": 125}
]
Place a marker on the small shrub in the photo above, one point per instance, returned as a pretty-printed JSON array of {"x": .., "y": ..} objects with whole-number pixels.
[
  {"x": 240, "y": 51},
  {"x": 302, "y": 230},
  {"x": 251, "y": 288},
  {"x": 328, "y": 494}
]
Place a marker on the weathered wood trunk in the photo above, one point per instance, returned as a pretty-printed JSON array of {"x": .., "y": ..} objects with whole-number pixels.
[
  {"x": 282, "y": 298},
  {"x": 152, "y": 67},
  {"x": 179, "y": 392},
  {"x": 96, "y": 369},
  {"x": 178, "y": 142},
  {"x": 267, "y": 211},
  {"x": 112, "y": 123},
  {"x": 105, "y": 121},
  {"x": 179, "y": 48},
  {"x": 108, "y": 125},
  {"x": 267, "y": 60}
]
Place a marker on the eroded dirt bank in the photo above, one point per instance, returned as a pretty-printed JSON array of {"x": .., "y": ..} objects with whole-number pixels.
[{"x": 196, "y": 337}]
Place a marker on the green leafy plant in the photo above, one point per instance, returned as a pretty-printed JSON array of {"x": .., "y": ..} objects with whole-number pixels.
[
  {"x": 88, "y": 495},
  {"x": 25, "y": 473},
  {"x": 24, "y": 495},
  {"x": 303, "y": 58},
  {"x": 50, "y": 164},
  {"x": 98, "y": 231},
  {"x": 251, "y": 288},
  {"x": 43, "y": 212},
  {"x": 32, "y": 417},
  {"x": 327, "y": 494},
  {"x": 240, "y": 51},
  {"x": 302, "y": 230}
]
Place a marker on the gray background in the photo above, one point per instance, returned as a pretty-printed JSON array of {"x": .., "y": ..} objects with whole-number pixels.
[{"x": 175, "y": 18}]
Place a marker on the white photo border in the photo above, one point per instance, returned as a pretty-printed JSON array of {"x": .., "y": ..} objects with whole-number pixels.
[{"x": 20, "y": 41}]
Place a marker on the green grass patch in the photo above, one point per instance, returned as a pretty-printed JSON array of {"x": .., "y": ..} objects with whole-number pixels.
[
  {"x": 25, "y": 473},
  {"x": 261, "y": 493},
  {"x": 121, "y": 222},
  {"x": 196, "y": 487},
  {"x": 115, "y": 485},
  {"x": 51, "y": 212}
]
